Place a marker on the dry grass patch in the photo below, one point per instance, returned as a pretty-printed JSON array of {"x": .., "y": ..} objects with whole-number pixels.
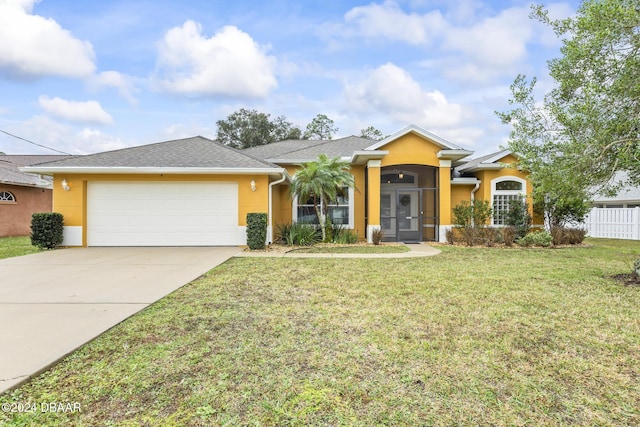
[{"x": 469, "y": 337}]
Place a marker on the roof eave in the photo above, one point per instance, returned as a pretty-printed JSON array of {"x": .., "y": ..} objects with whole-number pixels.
[
  {"x": 453, "y": 154},
  {"x": 362, "y": 157},
  {"x": 465, "y": 181},
  {"x": 153, "y": 170}
]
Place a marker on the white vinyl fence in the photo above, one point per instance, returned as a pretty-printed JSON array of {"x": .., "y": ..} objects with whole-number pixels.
[{"x": 614, "y": 223}]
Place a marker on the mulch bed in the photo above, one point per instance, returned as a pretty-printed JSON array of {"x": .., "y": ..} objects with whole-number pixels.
[{"x": 629, "y": 279}]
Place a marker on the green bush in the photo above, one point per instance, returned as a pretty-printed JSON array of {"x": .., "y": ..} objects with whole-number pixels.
[
  {"x": 46, "y": 229},
  {"x": 518, "y": 217},
  {"x": 470, "y": 218},
  {"x": 256, "y": 230},
  {"x": 536, "y": 238},
  {"x": 343, "y": 235},
  {"x": 299, "y": 234}
]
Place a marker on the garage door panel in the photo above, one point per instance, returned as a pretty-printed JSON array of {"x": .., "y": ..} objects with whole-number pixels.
[{"x": 162, "y": 214}]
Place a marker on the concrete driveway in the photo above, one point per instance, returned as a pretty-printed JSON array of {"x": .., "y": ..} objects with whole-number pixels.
[{"x": 53, "y": 302}]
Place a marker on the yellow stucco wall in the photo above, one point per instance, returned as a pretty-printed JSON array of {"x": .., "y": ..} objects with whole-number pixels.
[
  {"x": 283, "y": 215},
  {"x": 73, "y": 206},
  {"x": 411, "y": 149}
]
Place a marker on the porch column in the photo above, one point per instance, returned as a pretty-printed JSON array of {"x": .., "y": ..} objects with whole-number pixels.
[
  {"x": 373, "y": 196},
  {"x": 444, "y": 185}
]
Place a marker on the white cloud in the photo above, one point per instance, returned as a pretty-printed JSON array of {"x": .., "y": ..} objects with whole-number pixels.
[
  {"x": 32, "y": 46},
  {"x": 95, "y": 141},
  {"x": 387, "y": 20},
  {"x": 391, "y": 90},
  {"x": 75, "y": 111},
  {"x": 123, "y": 83},
  {"x": 229, "y": 63},
  {"x": 495, "y": 41}
]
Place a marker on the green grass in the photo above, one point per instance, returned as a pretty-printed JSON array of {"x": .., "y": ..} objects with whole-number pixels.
[
  {"x": 16, "y": 246},
  {"x": 473, "y": 336},
  {"x": 354, "y": 249}
]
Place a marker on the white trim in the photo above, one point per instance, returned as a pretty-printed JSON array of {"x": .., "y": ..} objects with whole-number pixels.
[
  {"x": 442, "y": 233},
  {"x": 360, "y": 157},
  {"x": 270, "y": 207},
  {"x": 71, "y": 235},
  {"x": 351, "y": 225},
  {"x": 453, "y": 154},
  {"x": 374, "y": 164},
  {"x": 419, "y": 131},
  {"x": 445, "y": 163},
  {"x": 465, "y": 181},
  {"x": 152, "y": 170},
  {"x": 522, "y": 193},
  {"x": 370, "y": 229}
]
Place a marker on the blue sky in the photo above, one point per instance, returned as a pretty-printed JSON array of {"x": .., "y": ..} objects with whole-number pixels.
[{"x": 90, "y": 76}]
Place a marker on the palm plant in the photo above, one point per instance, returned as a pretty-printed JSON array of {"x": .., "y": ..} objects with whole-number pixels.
[{"x": 323, "y": 181}]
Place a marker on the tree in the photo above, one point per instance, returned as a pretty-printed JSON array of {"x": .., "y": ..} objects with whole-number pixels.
[
  {"x": 322, "y": 181},
  {"x": 249, "y": 128},
  {"x": 372, "y": 133},
  {"x": 587, "y": 128},
  {"x": 321, "y": 127}
]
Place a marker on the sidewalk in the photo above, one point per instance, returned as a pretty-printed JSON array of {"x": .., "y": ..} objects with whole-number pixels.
[{"x": 417, "y": 250}]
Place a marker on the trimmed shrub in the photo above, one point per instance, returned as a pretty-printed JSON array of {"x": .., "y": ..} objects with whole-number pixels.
[
  {"x": 489, "y": 235},
  {"x": 508, "y": 236},
  {"x": 376, "y": 236},
  {"x": 471, "y": 218},
  {"x": 451, "y": 236},
  {"x": 567, "y": 236},
  {"x": 537, "y": 238},
  {"x": 256, "y": 230},
  {"x": 46, "y": 229}
]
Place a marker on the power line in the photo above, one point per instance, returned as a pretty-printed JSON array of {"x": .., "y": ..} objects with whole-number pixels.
[{"x": 34, "y": 143}]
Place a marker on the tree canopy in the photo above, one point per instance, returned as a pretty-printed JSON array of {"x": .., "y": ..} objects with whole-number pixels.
[
  {"x": 250, "y": 128},
  {"x": 372, "y": 133},
  {"x": 321, "y": 127},
  {"x": 588, "y": 126}
]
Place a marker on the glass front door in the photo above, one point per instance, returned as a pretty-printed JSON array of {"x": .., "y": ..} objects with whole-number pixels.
[{"x": 401, "y": 215}]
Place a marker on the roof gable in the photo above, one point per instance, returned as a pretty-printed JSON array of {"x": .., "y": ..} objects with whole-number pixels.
[{"x": 441, "y": 142}]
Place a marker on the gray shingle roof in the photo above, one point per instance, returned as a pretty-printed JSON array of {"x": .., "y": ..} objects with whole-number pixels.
[
  {"x": 489, "y": 159},
  {"x": 10, "y": 174},
  {"x": 297, "y": 151},
  {"x": 195, "y": 152}
]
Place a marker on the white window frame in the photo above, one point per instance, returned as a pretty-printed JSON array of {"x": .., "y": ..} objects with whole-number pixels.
[
  {"x": 520, "y": 193},
  {"x": 350, "y": 225},
  {"x": 10, "y": 199}
]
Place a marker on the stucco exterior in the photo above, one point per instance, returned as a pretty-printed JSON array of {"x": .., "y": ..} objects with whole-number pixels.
[{"x": 426, "y": 173}]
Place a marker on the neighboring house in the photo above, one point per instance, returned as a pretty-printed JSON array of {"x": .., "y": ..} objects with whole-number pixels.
[
  {"x": 196, "y": 191},
  {"x": 22, "y": 194},
  {"x": 627, "y": 196}
]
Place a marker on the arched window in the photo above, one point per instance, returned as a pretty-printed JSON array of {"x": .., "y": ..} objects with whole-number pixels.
[
  {"x": 503, "y": 191},
  {"x": 6, "y": 196}
]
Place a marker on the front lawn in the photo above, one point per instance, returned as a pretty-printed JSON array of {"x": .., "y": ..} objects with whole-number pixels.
[
  {"x": 16, "y": 246},
  {"x": 473, "y": 336}
]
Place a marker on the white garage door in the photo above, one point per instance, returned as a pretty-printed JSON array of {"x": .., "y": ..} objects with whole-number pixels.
[{"x": 162, "y": 214}]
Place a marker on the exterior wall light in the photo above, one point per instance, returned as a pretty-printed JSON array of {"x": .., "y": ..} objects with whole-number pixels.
[
  {"x": 65, "y": 185},
  {"x": 253, "y": 185},
  {"x": 401, "y": 175}
]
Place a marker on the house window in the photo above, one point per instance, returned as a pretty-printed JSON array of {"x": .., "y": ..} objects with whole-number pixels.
[
  {"x": 340, "y": 211},
  {"x": 503, "y": 192},
  {"x": 6, "y": 196}
]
